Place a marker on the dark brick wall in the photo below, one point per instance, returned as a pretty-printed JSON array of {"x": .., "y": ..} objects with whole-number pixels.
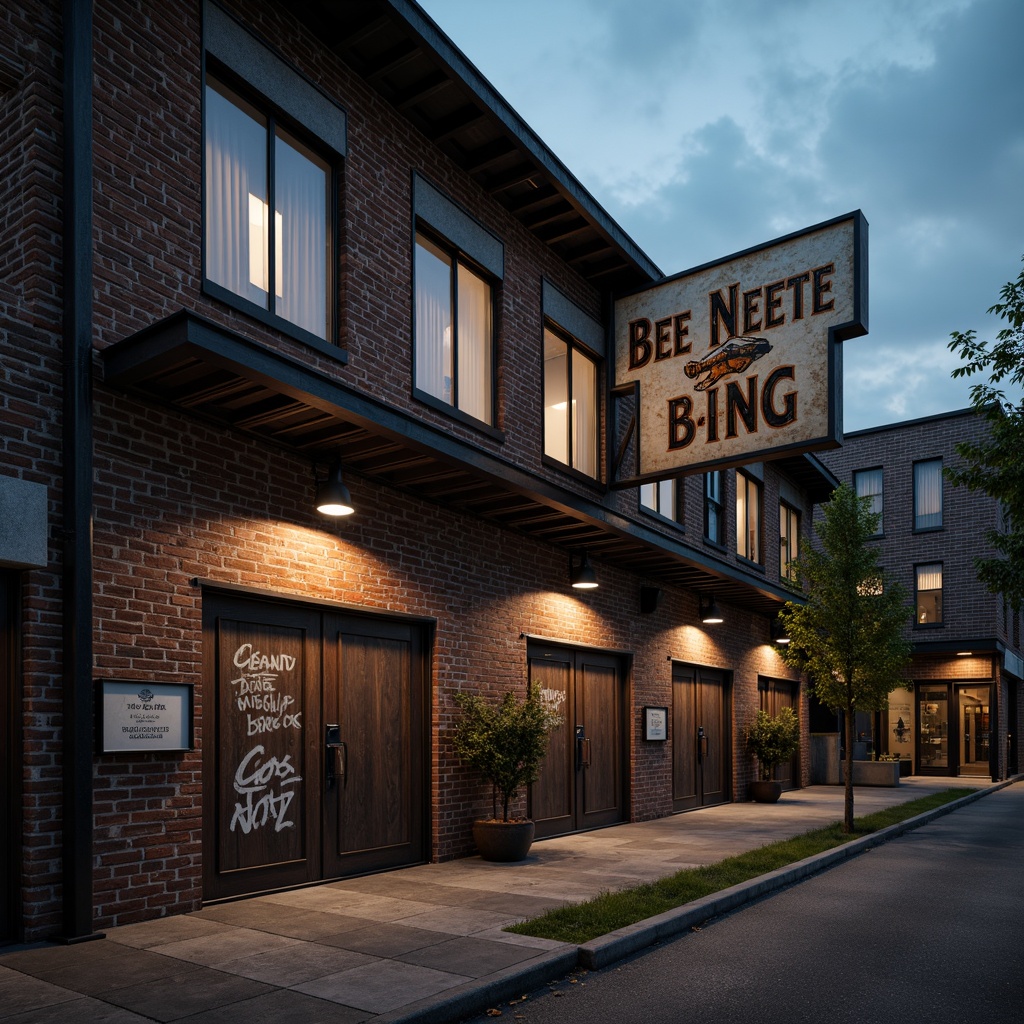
[{"x": 178, "y": 501}]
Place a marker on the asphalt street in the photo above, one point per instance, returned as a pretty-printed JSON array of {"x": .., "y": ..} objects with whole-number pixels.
[{"x": 927, "y": 928}]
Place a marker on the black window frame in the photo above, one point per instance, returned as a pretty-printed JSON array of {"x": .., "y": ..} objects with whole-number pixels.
[
  {"x": 942, "y": 496},
  {"x": 758, "y": 486},
  {"x": 677, "y": 518},
  {"x": 880, "y": 532},
  {"x": 459, "y": 257},
  {"x": 714, "y": 508},
  {"x": 276, "y": 117},
  {"x": 941, "y": 621},
  {"x": 793, "y": 514}
]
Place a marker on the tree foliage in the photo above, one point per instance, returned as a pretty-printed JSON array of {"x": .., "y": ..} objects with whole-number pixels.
[
  {"x": 504, "y": 741},
  {"x": 995, "y": 466},
  {"x": 850, "y": 636}
]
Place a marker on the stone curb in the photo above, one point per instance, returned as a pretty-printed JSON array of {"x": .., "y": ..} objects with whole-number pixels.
[
  {"x": 615, "y": 945},
  {"x": 475, "y": 996}
]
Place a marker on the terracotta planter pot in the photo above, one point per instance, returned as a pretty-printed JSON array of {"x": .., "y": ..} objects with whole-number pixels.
[
  {"x": 765, "y": 792},
  {"x": 503, "y": 840}
]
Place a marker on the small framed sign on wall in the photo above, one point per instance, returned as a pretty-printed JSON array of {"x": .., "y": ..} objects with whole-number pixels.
[
  {"x": 134, "y": 717},
  {"x": 655, "y": 723}
]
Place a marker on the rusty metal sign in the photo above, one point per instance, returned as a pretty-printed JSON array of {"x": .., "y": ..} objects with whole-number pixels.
[{"x": 738, "y": 361}]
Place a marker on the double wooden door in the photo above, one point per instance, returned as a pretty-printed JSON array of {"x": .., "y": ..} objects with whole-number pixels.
[
  {"x": 701, "y": 750},
  {"x": 774, "y": 695},
  {"x": 582, "y": 781},
  {"x": 315, "y": 761}
]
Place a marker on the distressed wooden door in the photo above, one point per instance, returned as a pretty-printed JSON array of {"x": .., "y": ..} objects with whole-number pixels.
[{"x": 700, "y": 737}]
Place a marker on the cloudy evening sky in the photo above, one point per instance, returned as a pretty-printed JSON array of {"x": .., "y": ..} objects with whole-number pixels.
[{"x": 707, "y": 126}]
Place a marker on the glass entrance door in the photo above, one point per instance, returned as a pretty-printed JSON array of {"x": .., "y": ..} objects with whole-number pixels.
[
  {"x": 933, "y": 731},
  {"x": 975, "y": 725}
]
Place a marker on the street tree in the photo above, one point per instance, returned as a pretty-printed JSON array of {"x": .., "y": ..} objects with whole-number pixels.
[
  {"x": 850, "y": 636},
  {"x": 994, "y": 465}
]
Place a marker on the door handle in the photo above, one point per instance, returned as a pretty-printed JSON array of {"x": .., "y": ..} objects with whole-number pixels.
[
  {"x": 582, "y": 749},
  {"x": 336, "y": 756},
  {"x": 702, "y": 744}
]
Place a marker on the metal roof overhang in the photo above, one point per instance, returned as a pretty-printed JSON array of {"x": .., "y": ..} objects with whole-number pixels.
[
  {"x": 216, "y": 375},
  {"x": 403, "y": 55}
]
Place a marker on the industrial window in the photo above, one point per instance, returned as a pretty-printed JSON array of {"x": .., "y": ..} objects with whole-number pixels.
[
  {"x": 928, "y": 495},
  {"x": 748, "y": 517},
  {"x": 868, "y": 484},
  {"x": 278, "y": 267},
  {"x": 663, "y": 497},
  {"x": 929, "y": 594},
  {"x": 571, "y": 405},
  {"x": 714, "y": 506},
  {"x": 454, "y": 330},
  {"x": 789, "y": 540}
]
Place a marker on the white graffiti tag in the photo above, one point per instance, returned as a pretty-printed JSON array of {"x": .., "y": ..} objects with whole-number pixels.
[{"x": 260, "y": 803}]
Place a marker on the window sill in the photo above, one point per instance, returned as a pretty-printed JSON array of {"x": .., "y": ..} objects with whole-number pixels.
[
  {"x": 749, "y": 563},
  {"x": 660, "y": 517},
  {"x": 928, "y": 625},
  {"x": 561, "y": 467},
  {"x": 279, "y": 324},
  {"x": 451, "y": 412},
  {"x": 927, "y": 529}
]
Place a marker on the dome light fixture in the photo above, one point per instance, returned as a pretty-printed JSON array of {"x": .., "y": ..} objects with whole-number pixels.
[{"x": 332, "y": 496}]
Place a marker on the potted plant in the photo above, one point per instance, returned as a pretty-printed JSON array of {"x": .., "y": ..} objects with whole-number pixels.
[
  {"x": 771, "y": 741},
  {"x": 505, "y": 742}
]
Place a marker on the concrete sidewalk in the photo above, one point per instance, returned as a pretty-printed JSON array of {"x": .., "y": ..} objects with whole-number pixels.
[{"x": 420, "y": 944}]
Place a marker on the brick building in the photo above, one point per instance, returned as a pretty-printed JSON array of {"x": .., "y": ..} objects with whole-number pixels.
[
  {"x": 962, "y": 713},
  {"x": 423, "y": 321}
]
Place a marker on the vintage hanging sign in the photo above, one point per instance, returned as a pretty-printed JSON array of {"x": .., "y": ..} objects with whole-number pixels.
[{"x": 738, "y": 361}]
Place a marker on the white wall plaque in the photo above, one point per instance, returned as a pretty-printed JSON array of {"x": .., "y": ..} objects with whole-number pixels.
[{"x": 140, "y": 716}]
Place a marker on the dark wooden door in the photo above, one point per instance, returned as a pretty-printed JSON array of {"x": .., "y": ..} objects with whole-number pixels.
[
  {"x": 581, "y": 784},
  {"x": 776, "y": 694},
  {"x": 286, "y": 801},
  {"x": 700, "y": 737},
  {"x": 261, "y": 728},
  {"x": 375, "y": 787}
]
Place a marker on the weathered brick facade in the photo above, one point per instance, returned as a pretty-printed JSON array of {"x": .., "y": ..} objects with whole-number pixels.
[
  {"x": 182, "y": 504},
  {"x": 978, "y": 641}
]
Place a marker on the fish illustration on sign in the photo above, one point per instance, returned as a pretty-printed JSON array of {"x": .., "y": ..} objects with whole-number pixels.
[{"x": 734, "y": 357}]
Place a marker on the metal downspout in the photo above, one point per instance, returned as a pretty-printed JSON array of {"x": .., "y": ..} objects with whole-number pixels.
[{"x": 76, "y": 577}]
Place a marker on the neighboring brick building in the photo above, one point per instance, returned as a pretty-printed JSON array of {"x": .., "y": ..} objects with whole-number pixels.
[
  {"x": 963, "y": 714},
  {"x": 168, "y": 414}
]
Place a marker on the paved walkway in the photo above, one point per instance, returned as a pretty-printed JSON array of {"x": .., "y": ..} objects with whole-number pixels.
[{"x": 419, "y": 944}]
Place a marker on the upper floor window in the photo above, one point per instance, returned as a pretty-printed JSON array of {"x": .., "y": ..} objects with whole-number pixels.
[
  {"x": 928, "y": 494},
  {"x": 571, "y": 406},
  {"x": 277, "y": 267},
  {"x": 714, "y": 506},
  {"x": 454, "y": 332},
  {"x": 748, "y": 517},
  {"x": 663, "y": 497},
  {"x": 928, "y": 591},
  {"x": 868, "y": 484},
  {"x": 789, "y": 540}
]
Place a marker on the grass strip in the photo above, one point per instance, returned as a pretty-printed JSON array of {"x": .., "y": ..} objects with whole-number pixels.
[{"x": 581, "y": 922}]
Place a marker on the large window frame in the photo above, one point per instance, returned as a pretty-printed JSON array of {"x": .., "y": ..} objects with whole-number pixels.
[
  {"x": 454, "y": 336},
  {"x": 280, "y": 270},
  {"x": 789, "y": 541},
  {"x": 928, "y": 580},
  {"x": 928, "y": 495},
  {"x": 714, "y": 507},
  {"x": 663, "y": 498},
  {"x": 869, "y": 483},
  {"x": 571, "y": 398},
  {"x": 749, "y": 518}
]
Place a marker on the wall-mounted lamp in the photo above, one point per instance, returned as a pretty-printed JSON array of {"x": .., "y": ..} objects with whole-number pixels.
[
  {"x": 650, "y": 598},
  {"x": 779, "y": 634},
  {"x": 709, "y": 613},
  {"x": 332, "y": 496},
  {"x": 581, "y": 572}
]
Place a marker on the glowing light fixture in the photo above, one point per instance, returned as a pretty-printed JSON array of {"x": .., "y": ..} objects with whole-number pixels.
[
  {"x": 332, "y": 496},
  {"x": 779, "y": 635},
  {"x": 581, "y": 572},
  {"x": 709, "y": 613}
]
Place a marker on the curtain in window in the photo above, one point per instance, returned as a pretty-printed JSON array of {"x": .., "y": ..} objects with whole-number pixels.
[
  {"x": 236, "y": 199},
  {"x": 584, "y": 413},
  {"x": 556, "y": 398},
  {"x": 929, "y": 577},
  {"x": 474, "y": 345},
  {"x": 868, "y": 484},
  {"x": 928, "y": 494},
  {"x": 433, "y": 321},
  {"x": 300, "y": 187}
]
